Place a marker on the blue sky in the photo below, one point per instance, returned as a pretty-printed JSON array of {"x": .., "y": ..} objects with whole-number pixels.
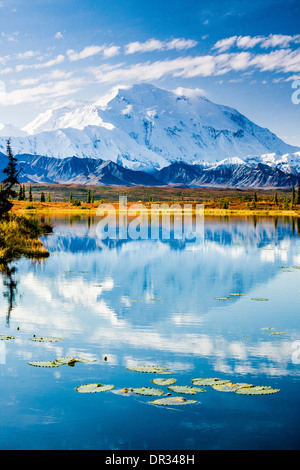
[{"x": 239, "y": 53}]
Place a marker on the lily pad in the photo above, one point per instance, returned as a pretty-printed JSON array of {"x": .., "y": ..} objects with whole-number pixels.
[
  {"x": 94, "y": 388},
  {"x": 147, "y": 391},
  {"x": 209, "y": 381},
  {"x": 170, "y": 401},
  {"x": 230, "y": 387},
  {"x": 44, "y": 363},
  {"x": 163, "y": 381},
  {"x": 223, "y": 298},
  {"x": 70, "y": 361},
  {"x": 186, "y": 389},
  {"x": 150, "y": 369},
  {"x": 259, "y": 299},
  {"x": 277, "y": 332},
  {"x": 6, "y": 337},
  {"x": 257, "y": 390},
  {"x": 46, "y": 339},
  {"x": 125, "y": 392}
]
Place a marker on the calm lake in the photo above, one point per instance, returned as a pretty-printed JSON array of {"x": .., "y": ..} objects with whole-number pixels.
[{"x": 160, "y": 302}]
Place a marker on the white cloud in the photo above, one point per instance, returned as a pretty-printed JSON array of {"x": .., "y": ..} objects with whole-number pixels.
[
  {"x": 6, "y": 70},
  {"x": 4, "y": 59},
  {"x": 180, "y": 44},
  {"x": 58, "y": 60},
  {"x": 225, "y": 44},
  {"x": 148, "y": 46},
  {"x": 248, "y": 42},
  {"x": 183, "y": 66},
  {"x": 156, "y": 45},
  {"x": 111, "y": 51},
  {"x": 283, "y": 60},
  {"x": 189, "y": 92},
  {"x": 59, "y": 35},
  {"x": 49, "y": 76},
  {"x": 26, "y": 55},
  {"x": 279, "y": 40},
  {"x": 50, "y": 63},
  {"x": 89, "y": 51},
  {"x": 240, "y": 61},
  {"x": 25, "y": 82},
  {"x": 10, "y": 36},
  {"x": 49, "y": 90}
]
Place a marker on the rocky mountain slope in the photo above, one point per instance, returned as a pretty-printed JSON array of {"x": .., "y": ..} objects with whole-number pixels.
[{"x": 159, "y": 133}]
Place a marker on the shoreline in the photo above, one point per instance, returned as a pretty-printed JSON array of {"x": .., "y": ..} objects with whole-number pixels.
[{"x": 90, "y": 209}]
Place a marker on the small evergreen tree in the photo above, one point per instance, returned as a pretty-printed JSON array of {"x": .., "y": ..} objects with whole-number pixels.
[
  {"x": 93, "y": 198},
  {"x": 20, "y": 195},
  {"x": 42, "y": 197},
  {"x": 88, "y": 199},
  {"x": 7, "y": 188},
  {"x": 48, "y": 198},
  {"x": 276, "y": 198},
  {"x": 71, "y": 197},
  {"x": 293, "y": 196},
  {"x": 30, "y": 194},
  {"x": 298, "y": 196}
]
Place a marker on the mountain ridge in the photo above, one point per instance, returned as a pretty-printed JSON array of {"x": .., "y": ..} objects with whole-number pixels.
[
  {"x": 147, "y": 129},
  {"x": 87, "y": 171}
]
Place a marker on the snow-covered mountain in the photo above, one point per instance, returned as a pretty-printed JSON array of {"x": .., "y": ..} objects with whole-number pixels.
[
  {"x": 230, "y": 174},
  {"x": 147, "y": 128},
  {"x": 11, "y": 131}
]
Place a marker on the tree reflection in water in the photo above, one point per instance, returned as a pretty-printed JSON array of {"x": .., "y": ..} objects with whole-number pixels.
[{"x": 10, "y": 283}]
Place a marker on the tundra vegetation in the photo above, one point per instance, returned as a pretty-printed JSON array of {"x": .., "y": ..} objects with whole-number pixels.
[
  {"x": 19, "y": 235},
  {"x": 82, "y": 199}
]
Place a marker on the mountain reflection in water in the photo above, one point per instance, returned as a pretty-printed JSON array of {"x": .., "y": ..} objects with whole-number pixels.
[{"x": 164, "y": 296}]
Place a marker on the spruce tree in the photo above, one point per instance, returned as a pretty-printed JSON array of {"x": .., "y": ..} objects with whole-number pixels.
[
  {"x": 30, "y": 194},
  {"x": 88, "y": 199},
  {"x": 71, "y": 197},
  {"x": 20, "y": 195},
  {"x": 48, "y": 198},
  {"x": 42, "y": 197},
  {"x": 298, "y": 196},
  {"x": 293, "y": 196},
  {"x": 7, "y": 188}
]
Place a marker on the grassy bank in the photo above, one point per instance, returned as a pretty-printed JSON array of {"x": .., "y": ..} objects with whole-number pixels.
[
  {"x": 60, "y": 193},
  {"x": 20, "y": 237},
  {"x": 215, "y": 204}
]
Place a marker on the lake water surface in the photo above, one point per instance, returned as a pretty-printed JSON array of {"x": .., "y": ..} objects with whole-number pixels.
[{"x": 154, "y": 302}]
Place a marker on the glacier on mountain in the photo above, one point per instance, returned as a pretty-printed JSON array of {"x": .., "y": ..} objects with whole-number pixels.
[{"x": 148, "y": 128}]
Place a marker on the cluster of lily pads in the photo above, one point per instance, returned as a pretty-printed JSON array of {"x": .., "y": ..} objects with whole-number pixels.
[
  {"x": 40, "y": 339},
  {"x": 238, "y": 294},
  {"x": 59, "y": 361},
  {"x": 261, "y": 299},
  {"x": 196, "y": 387},
  {"x": 288, "y": 269},
  {"x": 167, "y": 398}
]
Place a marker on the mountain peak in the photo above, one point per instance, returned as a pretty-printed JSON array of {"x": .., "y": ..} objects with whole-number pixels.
[
  {"x": 7, "y": 130},
  {"x": 144, "y": 127}
]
